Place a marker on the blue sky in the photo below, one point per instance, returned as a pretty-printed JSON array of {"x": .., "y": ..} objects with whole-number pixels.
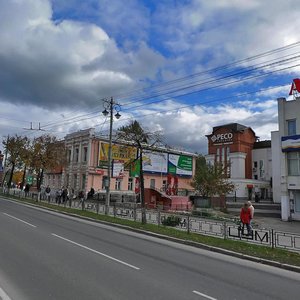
[{"x": 180, "y": 67}]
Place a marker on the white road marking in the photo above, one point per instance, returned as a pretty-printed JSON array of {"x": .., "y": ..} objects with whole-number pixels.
[
  {"x": 19, "y": 220},
  {"x": 3, "y": 295},
  {"x": 203, "y": 295},
  {"x": 97, "y": 252}
]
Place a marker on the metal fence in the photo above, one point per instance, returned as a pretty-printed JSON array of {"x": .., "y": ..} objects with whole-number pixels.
[{"x": 185, "y": 222}]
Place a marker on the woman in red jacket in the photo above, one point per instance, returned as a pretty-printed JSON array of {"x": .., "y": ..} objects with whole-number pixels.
[{"x": 245, "y": 217}]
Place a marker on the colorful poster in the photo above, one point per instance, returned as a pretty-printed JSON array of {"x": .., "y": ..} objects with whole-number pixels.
[
  {"x": 180, "y": 164},
  {"x": 155, "y": 162},
  {"x": 118, "y": 168},
  {"x": 119, "y": 152}
]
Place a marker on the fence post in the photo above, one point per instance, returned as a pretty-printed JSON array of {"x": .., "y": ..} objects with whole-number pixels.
[
  {"x": 158, "y": 216},
  {"x": 188, "y": 224},
  {"x": 225, "y": 231},
  {"x": 273, "y": 239},
  {"x": 115, "y": 210}
]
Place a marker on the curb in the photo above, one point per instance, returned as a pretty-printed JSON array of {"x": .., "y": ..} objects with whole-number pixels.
[{"x": 176, "y": 240}]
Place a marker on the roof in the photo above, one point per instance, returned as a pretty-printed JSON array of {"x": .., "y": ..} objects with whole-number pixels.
[
  {"x": 235, "y": 127},
  {"x": 262, "y": 144}
]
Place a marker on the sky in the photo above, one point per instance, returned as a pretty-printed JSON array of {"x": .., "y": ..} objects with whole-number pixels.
[{"x": 178, "y": 67}]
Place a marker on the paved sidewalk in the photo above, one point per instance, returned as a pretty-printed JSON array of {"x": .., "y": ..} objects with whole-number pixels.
[{"x": 277, "y": 224}]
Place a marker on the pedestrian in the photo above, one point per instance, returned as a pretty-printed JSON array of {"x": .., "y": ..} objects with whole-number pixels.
[
  {"x": 48, "y": 192},
  {"x": 91, "y": 193},
  {"x": 64, "y": 194},
  {"x": 81, "y": 198},
  {"x": 26, "y": 189},
  {"x": 245, "y": 216},
  {"x": 251, "y": 211}
]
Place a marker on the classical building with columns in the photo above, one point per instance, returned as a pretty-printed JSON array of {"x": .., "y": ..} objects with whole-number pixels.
[
  {"x": 168, "y": 171},
  {"x": 247, "y": 159}
]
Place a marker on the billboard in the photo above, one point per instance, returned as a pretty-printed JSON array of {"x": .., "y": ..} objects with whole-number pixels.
[
  {"x": 119, "y": 152},
  {"x": 180, "y": 164},
  {"x": 155, "y": 162}
]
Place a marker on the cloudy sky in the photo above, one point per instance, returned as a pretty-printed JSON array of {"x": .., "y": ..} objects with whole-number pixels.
[{"x": 179, "y": 66}]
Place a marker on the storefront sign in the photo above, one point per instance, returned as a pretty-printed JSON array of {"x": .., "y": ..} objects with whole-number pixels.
[{"x": 222, "y": 138}]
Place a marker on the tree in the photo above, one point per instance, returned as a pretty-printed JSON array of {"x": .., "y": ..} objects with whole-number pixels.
[
  {"x": 14, "y": 147},
  {"x": 46, "y": 153},
  {"x": 141, "y": 139},
  {"x": 209, "y": 180}
]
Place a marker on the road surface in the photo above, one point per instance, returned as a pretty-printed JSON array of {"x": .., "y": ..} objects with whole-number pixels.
[{"x": 46, "y": 255}]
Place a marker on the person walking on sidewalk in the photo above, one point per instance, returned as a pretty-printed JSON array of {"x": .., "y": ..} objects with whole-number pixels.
[
  {"x": 251, "y": 211},
  {"x": 245, "y": 216}
]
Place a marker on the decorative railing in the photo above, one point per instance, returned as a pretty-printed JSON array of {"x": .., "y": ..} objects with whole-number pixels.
[{"x": 186, "y": 222}]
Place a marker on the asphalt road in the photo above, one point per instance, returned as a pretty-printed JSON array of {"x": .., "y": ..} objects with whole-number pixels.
[{"x": 49, "y": 256}]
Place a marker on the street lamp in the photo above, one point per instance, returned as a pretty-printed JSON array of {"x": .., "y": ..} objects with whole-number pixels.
[{"x": 109, "y": 107}]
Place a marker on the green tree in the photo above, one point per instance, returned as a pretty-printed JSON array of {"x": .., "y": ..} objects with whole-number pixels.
[
  {"x": 14, "y": 147},
  {"x": 209, "y": 180},
  {"x": 142, "y": 139}
]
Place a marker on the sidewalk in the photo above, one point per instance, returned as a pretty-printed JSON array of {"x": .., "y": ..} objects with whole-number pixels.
[{"x": 277, "y": 224}]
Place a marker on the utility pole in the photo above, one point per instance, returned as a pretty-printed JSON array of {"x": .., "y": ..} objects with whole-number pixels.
[{"x": 111, "y": 106}]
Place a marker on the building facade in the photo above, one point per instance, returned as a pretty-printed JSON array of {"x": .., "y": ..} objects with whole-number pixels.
[
  {"x": 286, "y": 158},
  {"x": 165, "y": 170},
  {"x": 247, "y": 161}
]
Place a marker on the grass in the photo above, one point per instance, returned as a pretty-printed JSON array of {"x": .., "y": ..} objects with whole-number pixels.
[{"x": 263, "y": 252}]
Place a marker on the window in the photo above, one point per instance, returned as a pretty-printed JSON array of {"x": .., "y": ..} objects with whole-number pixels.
[
  {"x": 293, "y": 162},
  {"x": 228, "y": 161},
  {"x": 164, "y": 185},
  {"x": 291, "y": 127},
  {"x": 85, "y": 151},
  {"x": 152, "y": 183},
  {"x": 76, "y": 158},
  {"x": 83, "y": 182},
  {"x": 255, "y": 164},
  {"x": 223, "y": 155},
  {"x": 104, "y": 182},
  {"x": 218, "y": 155},
  {"x": 118, "y": 184},
  {"x": 297, "y": 201},
  {"x": 261, "y": 169},
  {"x": 75, "y": 181},
  {"x": 130, "y": 184},
  {"x": 69, "y": 155}
]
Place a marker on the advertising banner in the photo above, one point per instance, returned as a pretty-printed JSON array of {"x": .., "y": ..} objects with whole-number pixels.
[
  {"x": 119, "y": 152},
  {"x": 155, "y": 162},
  {"x": 180, "y": 164},
  {"x": 118, "y": 168},
  {"x": 290, "y": 143}
]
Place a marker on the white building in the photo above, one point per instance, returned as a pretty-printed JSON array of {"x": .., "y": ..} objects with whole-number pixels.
[{"x": 286, "y": 159}]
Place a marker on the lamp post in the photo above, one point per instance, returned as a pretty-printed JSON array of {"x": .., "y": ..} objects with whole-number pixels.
[{"x": 109, "y": 107}]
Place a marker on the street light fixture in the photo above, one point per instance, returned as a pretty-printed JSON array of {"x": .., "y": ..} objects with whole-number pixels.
[{"x": 109, "y": 107}]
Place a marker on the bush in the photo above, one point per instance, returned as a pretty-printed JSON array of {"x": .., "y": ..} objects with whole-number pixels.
[{"x": 171, "y": 221}]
